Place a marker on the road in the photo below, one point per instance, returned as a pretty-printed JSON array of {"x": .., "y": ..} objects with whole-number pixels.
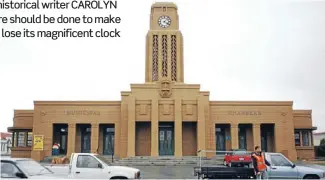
[{"x": 165, "y": 172}]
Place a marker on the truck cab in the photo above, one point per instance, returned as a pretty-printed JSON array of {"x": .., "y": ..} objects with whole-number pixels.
[{"x": 94, "y": 166}]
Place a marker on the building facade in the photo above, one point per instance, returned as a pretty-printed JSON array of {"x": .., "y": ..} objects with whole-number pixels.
[
  {"x": 163, "y": 116},
  {"x": 5, "y": 143}
]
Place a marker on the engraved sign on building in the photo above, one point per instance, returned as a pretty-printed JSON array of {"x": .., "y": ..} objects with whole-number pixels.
[
  {"x": 81, "y": 113},
  {"x": 245, "y": 113}
]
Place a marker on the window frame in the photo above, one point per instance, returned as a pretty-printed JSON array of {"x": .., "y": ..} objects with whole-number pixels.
[
  {"x": 16, "y": 142},
  {"x": 298, "y": 144},
  {"x": 303, "y": 133},
  {"x": 272, "y": 155}
]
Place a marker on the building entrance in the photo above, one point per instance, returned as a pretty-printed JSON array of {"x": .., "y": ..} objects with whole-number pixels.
[
  {"x": 60, "y": 136},
  {"x": 166, "y": 139},
  {"x": 242, "y": 139},
  {"x": 85, "y": 138},
  {"x": 220, "y": 138},
  {"x": 108, "y": 144}
]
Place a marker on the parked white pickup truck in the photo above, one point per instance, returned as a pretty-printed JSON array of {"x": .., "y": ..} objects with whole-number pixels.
[
  {"x": 94, "y": 166},
  {"x": 82, "y": 166}
]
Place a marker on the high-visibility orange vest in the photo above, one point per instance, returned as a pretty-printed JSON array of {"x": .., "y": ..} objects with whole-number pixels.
[{"x": 261, "y": 166}]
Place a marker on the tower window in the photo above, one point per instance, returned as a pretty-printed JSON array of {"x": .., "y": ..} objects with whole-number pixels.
[
  {"x": 174, "y": 58},
  {"x": 155, "y": 58},
  {"x": 164, "y": 56}
]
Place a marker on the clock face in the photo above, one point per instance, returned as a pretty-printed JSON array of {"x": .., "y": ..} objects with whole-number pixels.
[{"x": 164, "y": 21}]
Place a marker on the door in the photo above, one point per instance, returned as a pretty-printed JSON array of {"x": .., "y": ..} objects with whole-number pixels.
[
  {"x": 166, "y": 141},
  {"x": 85, "y": 140},
  {"x": 220, "y": 140},
  {"x": 242, "y": 138},
  {"x": 108, "y": 141},
  {"x": 281, "y": 168},
  {"x": 264, "y": 140},
  {"x": 87, "y": 167},
  {"x": 63, "y": 143}
]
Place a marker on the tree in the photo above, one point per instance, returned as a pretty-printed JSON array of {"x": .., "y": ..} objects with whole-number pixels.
[{"x": 321, "y": 148}]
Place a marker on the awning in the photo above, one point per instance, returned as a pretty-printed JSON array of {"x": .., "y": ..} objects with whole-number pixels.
[{"x": 12, "y": 129}]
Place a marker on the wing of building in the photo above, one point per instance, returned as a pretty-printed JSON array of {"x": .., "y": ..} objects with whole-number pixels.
[{"x": 163, "y": 116}]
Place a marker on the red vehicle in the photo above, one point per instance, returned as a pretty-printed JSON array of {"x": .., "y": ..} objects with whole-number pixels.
[{"x": 237, "y": 158}]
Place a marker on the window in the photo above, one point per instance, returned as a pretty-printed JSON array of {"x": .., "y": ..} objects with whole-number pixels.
[
  {"x": 29, "y": 139},
  {"x": 305, "y": 138},
  {"x": 87, "y": 162},
  {"x": 278, "y": 160},
  {"x": 8, "y": 170},
  {"x": 21, "y": 139},
  {"x": 297, "y": 138},
  {"x": 32, "y": 167}
]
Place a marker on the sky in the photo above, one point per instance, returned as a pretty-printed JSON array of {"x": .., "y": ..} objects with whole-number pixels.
[{"x": 236, "y": 49}]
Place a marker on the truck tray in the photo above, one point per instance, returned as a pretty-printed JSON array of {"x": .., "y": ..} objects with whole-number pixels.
[{"x": 219, "y": 172}]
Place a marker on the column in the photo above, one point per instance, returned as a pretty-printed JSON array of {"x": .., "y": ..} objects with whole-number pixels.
[
  {"x": 300, "y": 134},
  {"x": 131, "y": 128},
  {"x": 201, "y": 126},
  {"x": 234, "y": 136},
  {"x": 94, "y": 137},
  {"x": 71, "y": 138},
  {"x": 178, "y": 128},
  {"x": 257, "y": 135},
  {"x": 154, "y": 128},
  {"x": 278, "y": 137}
]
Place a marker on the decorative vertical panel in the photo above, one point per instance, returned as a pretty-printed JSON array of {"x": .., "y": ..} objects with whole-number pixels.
[
  {"x": 164, "y": 56},
  {"x": 174, "y": 59},
  {"x": 155, "y": 58}
]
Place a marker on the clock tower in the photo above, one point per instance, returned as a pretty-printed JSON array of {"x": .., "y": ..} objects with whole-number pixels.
[{"x": 164, "y": 45}]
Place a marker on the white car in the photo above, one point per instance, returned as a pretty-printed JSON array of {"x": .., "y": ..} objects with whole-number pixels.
[{"x": 24, "y": 168}]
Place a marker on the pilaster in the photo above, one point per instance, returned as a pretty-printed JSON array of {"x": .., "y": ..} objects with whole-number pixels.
[
  {"x": 71, "y": 138},
  {"x": 257, "y": 134},
  {"x": 131, "y": 127},
  {"x": 154, "y": 128},
  {"x": 178, "y": 128},
  {"x": 201, "y": 145},
  {"x": 234, "y": 135},
  {"x": 94, "y": 137}
]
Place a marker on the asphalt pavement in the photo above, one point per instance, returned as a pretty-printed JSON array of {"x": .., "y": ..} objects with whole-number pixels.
[{"x": 165, "y": 172}]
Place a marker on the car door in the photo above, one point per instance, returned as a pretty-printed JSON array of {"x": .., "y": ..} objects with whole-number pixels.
[
  {"x": 281, "y": 168},
  {"x": 9, "y": 170},
  {"x": 88, "y": 167}
]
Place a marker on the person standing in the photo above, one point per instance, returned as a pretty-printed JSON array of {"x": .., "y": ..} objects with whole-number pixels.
[{"x": 260, "y": 163}]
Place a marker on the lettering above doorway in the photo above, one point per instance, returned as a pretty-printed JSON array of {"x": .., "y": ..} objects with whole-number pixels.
[
  {"x": 81, "y": 113},
  {"x": 245, "y": 113}
]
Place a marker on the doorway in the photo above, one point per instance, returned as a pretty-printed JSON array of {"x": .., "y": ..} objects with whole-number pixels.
[
  {"x": 242, "y": 139},
  {"x": 60, "y": 136},
  {"x": 166, "y": 139},
  {"x": 108, "y": 140},
  {"x": 85, "y": 130},
  {"x": 220, "y": 139}
]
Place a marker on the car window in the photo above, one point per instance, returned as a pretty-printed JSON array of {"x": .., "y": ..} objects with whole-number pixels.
[
  {"x": 278, "y": 160},
  {"x": 32, "y": 168},
  {"x": 86, "y": 161},
  {"x": 8, "y": 170},
  {"x": 240, "y": 152}
]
